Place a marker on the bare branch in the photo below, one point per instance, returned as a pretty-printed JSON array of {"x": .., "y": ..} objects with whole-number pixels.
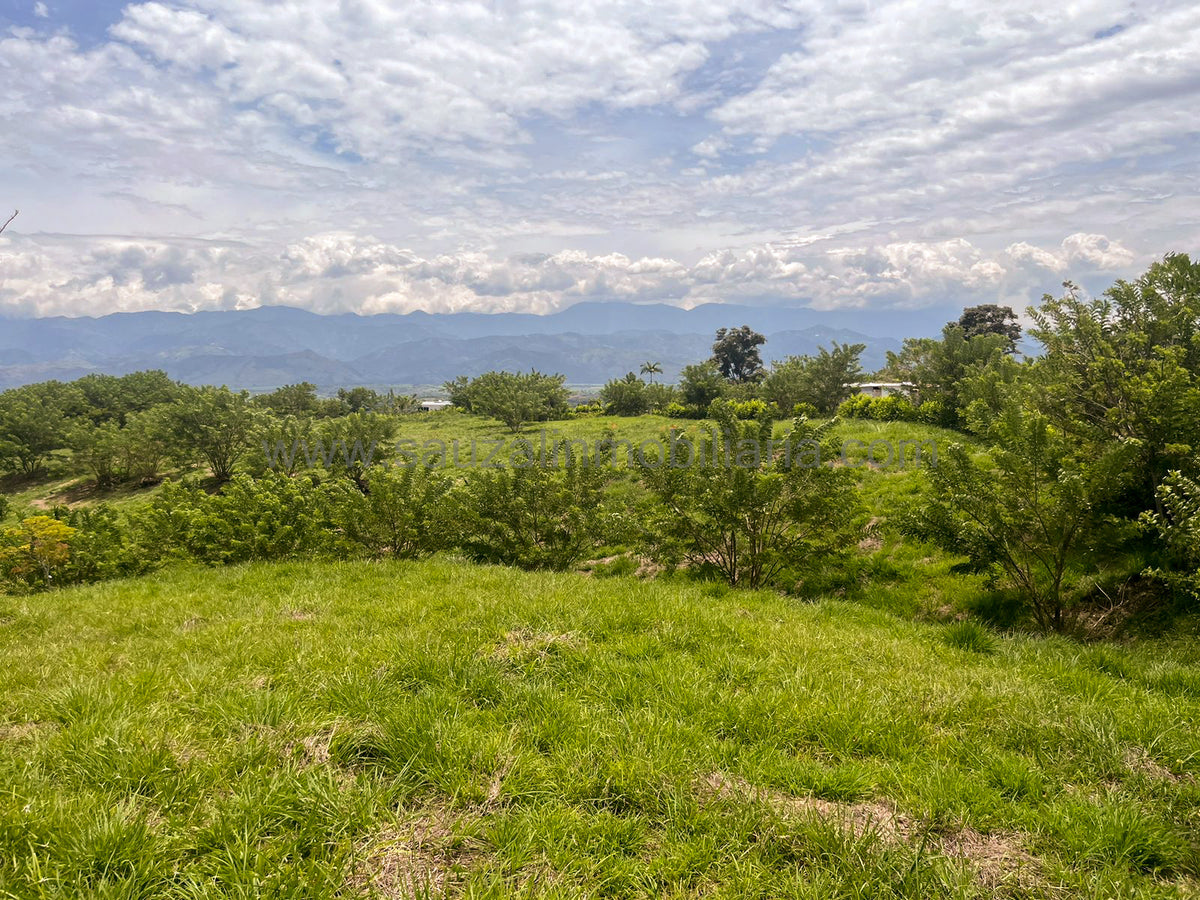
[{"x": 10, "y": 218}]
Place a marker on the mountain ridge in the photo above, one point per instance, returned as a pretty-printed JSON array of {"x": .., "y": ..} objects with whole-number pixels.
[{"x": 264, "y": 347}]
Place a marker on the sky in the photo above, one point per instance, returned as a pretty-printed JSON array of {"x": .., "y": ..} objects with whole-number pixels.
[{"x": 524, "y": 155}]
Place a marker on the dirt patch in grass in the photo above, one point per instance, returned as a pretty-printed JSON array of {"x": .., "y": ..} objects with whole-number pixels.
[
  {"x": 310, "y": 751},
  {"x": 24, "y": 731},
  {"x": 1140, "y": 762},
  {"x": 426, "y": 857},
  {"x": 996, "y": 858},
  {"x": 524, "y": 646}
]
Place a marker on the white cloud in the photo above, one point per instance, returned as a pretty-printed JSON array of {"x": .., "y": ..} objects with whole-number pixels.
[
  {"x": 340, "y": 272},
  {"x": 364, "y": 154},
  {"x": 41, "y": 10}
]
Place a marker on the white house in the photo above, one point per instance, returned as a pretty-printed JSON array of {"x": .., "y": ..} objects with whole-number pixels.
[
  {"x": 881, "y": 388},
  {"x": 435, "y": 405}
]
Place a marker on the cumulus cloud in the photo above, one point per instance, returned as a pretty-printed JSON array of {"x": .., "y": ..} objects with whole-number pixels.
[
  {"x": 341, "y": 272},
  {"x": 487, "y": 154}
]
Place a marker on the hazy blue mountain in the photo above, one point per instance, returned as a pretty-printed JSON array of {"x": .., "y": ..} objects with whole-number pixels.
[{"x": 269, "y": 346}]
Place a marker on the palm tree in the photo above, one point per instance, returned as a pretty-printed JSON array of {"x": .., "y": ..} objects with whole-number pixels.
[{"x": 651, "y": 369}]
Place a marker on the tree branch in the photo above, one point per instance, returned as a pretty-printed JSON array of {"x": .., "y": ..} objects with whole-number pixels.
[{"x": 10, "y": 218}]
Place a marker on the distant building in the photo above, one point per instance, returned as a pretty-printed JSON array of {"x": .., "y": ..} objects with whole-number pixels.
[
  {"x": 881, "y": 388},
  {"x": 435, "y": 405}
]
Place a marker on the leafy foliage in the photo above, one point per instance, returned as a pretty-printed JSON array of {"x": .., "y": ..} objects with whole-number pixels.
[
  {"x": 216, "y": 425},
  {"x": 937, "y": 369},
  {"x": 823, "y": 381},
  {"x": 405, "y": 513},
  {"x": 1126, "y": 367},
  {"x": 744, "y": 511},
  {"x": 270, "y": 517},
  {"x": 545, "y": 515},
  {"x": 699, "y": 386},
  {"x": 988, "y": 318},
  {"x": 736, "y": 356},
  {"x": 625, "y": 396},
  {"x": 515, "y": 399},
  {"x": 1027, "y": 513},
  {"x": 33, "y": 552},
  {"x": 1179, "y": 525}
]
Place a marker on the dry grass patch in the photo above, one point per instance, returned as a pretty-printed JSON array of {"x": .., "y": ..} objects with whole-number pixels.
[
  {"x": 429, "y": 856},
  {"x": 996, "y": 858},
  {"x": 523, "y": 646},
  {"x": 25, "y": 731}
]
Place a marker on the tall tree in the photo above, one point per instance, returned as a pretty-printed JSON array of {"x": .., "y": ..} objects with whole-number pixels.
[
  {"x": 1126, "y": 366},
  {"x": 216, "y": 425},
  {"x": 988, "y": 318},
  {"x": 824, "y": 380},
  {"x": 735, "y": 352},
  {"x": 651, "y": 369}
]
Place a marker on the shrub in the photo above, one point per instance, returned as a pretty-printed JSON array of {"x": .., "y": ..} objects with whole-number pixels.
[
  {"x": 750, "y": 518},
  {"x": 881, "y": 409},
  {"x": 675, "y": 410},
  {"x": 538, "y": 516},
  {"x": 748, "y": 409},
  {"x": 625, "y": 396},
  {"x": 34, "y": 552},
  {"x": 804, "y": 411},
  {"x": 404, "y": 513},
  {"x": 272, "y": 517}
]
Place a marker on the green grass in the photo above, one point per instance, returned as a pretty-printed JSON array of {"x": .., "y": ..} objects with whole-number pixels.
[{"x": 328, "y": 730}]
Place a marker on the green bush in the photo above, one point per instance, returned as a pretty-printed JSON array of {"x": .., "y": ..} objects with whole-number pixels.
[
  {"x": 538, "y": 516},
  {"x": 677, "y": 410},
  {"x": 747, "y": 410},
  {"x": 891, "y": 408},
  {"x": 268, "y": 518},
  {"x": 804, "y": 410},
  {"x": 403, "y": 514}
]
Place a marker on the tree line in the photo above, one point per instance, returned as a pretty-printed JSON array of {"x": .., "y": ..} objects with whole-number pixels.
[{"x": 1064, "y": 476}]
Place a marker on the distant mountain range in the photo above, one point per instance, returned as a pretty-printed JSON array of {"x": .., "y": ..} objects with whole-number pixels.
[{"x": 264, "y": 348}]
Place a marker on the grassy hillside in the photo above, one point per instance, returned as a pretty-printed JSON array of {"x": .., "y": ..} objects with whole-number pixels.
[{"x": 333, "y": 730}]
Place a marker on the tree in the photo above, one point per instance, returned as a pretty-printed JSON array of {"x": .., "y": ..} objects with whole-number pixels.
[
  {"x": 936, "y": 369},
  {"x": 1026, "y": 513},
  {"x": 541, "y": 515},
  {"x": 514, "y": 399},
  {"x": 625, "y": 397},
  {"x": 824, "y": 380},
  {"x": 1126, "y": 367},
  {"x": 32, "y": 552},
  {"x": 988, "y": 318},
  {"x": 745, "y": 508},
  {"x": 33, "y": 424},
  {"x": 109, "y": 398},
  {"x": 1179, "y": 526},
  {"x": 405, "y": 513},
  {"x": 216, "y": 425},
  {"x": 651, "y": 369},
  {"x": 355, "y": 442},
  {"x": 699, "y": 386},
  {"x": 292, "y": 400},
  {"x": 735, "y": 353},
  {"x": 360, "y": 399}
]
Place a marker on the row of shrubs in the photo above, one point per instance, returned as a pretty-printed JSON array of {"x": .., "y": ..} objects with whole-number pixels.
[
  {"x": 894, "y": 408},
  {"x": 536, "y": 517}
]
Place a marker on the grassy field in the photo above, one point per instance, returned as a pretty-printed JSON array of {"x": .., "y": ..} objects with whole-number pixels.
[{"x": 344, "y": 730}]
